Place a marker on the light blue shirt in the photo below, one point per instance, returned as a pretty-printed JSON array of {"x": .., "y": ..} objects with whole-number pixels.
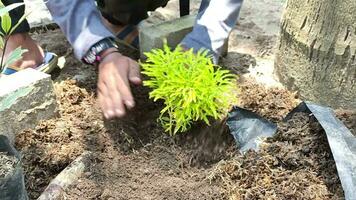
[{"x": 80, "y": 20}]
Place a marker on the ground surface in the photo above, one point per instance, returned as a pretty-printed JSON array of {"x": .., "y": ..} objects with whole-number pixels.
[
  {"x": 295, "y": 164},
  {"x": 134, "y": 159}
]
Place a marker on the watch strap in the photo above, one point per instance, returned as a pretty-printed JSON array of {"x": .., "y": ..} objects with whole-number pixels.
[{"x": 93, "y": 57}]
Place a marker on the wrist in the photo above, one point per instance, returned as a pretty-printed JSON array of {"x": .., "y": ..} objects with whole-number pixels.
[
  {"x": 99, "y": 50},
  {"x": 107, "y": 53}
]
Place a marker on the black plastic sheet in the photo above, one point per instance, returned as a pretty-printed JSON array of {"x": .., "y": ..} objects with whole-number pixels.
[
  {"x": 249, "y": 128},
  {"x": 12, "y": 187}
]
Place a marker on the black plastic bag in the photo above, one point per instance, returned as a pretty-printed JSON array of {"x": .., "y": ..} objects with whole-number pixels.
[
  {"x": 12, "y": 186},
  {"x": 248, "y": 127}
]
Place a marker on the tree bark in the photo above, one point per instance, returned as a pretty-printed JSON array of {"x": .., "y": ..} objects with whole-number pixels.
[{"x": 317, "y": 51}]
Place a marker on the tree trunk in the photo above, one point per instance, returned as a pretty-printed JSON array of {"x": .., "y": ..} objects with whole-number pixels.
[{"x": 317, "y": 51}]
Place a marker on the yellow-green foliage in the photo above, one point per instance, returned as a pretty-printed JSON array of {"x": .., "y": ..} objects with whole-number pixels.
[{"x": 190, "y": 85}]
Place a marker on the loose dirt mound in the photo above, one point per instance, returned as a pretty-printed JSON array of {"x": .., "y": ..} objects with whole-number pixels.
[
  {"x": 295, "y": 164},
  {"x": 271, "y": 103},
  {"x": 54, "y": 144}
]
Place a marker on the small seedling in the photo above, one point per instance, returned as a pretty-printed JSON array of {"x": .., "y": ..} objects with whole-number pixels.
[
  {"x": 190, "y": 85},
  {"x": 7, "y": 29}
]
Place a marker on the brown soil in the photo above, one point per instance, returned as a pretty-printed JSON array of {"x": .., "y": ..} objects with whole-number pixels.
[
  {"x": 137, "y": 161},
  {"x": 7, "y": 164},
  {"x": 295, "y": 164},
  {"x": 54, "y": 144},
  {"x": 133, "y": 157},
  {"x": 348, "y": 118},
  {"x": 271, "y": 103}
]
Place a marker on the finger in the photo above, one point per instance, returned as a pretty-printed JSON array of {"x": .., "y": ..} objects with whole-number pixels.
[
  {"x": 103, "y": 100},
  {"x": 124, "y": 87},
  {"x": 134, "y": 73},
  {"x": 115, "y": 96}
]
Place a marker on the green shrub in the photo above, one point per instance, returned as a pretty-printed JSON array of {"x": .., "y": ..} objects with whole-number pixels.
[{"x": 190, "y": 85}]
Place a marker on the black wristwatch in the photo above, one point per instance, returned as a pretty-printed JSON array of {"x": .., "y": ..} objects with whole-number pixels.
[{"x": 92, "y": 57}]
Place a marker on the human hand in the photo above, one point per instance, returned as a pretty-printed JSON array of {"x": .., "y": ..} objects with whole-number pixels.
[{"x": 115, "y": 74}]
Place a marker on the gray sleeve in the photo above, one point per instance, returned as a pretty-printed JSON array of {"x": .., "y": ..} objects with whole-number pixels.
[
  {"x": 214, "y": 22},
  {"x": 80, "y": 21}
]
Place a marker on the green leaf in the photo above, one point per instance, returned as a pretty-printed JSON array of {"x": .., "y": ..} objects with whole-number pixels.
[
  {"x": 14, "y": 56},
  {"x": 6, "y": 23}
]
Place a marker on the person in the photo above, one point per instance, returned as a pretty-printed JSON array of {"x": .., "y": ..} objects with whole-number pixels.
[{"x": 93, "y": 26}]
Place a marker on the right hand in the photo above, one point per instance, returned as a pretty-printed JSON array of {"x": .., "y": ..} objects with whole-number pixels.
[{"x": 115, "y": 74}]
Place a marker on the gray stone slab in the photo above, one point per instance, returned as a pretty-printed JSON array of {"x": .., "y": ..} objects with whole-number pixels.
[
  {"x": 153, "y": 36},
  {"x": 26, "y": 97},
  {"x": 39, "y": 14}
]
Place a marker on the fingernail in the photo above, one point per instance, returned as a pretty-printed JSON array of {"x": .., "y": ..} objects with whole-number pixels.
[
  {"x": 136, "y": 79},
  {"x": 106, "y": 116},
  {"x": 110, "y": 113},
  {"x": 119, "y": 112},
  {"x": 130, "y": 104}
]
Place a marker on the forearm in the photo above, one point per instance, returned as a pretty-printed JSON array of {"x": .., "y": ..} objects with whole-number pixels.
[
  {"x": 80, "y": 21},
  {"x": 215, "y": 20}
]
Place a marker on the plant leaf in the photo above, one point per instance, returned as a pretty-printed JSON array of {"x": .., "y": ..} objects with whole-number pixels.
[
  {"x": 15, "y": 56},
  {"x": 6, "y": 23}
]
